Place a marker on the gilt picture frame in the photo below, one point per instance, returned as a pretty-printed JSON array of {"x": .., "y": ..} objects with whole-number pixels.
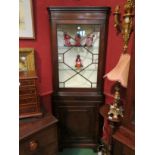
[
  {"x": 26, "y": 23},
  {"x": 26, "y": 59}
]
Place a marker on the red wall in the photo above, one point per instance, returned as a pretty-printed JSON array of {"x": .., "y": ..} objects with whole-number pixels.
[{"x": 41, "y": 43}]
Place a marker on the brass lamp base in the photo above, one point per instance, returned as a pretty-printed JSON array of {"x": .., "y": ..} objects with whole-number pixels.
[{"x": 116, "y": 111}]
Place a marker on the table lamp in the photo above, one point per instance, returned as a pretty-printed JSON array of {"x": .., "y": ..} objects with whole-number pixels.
[{"x": 119, "y": 74}]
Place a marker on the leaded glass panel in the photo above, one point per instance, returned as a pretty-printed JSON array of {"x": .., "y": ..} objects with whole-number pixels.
[{"x": 78, "y": 50}]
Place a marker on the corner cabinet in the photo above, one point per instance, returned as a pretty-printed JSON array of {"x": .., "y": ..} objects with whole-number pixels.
[{"x": 78, "y": 45}]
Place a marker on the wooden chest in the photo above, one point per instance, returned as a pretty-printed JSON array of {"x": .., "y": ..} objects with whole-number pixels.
[
  {"x": 39, "y": 136},
  {"x": 28, "y": 96}
]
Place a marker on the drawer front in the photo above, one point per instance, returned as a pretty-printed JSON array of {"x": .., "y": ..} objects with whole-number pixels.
[
  {"x": 41, "y": 143},
  {"x": 27, "y": 90},
  {"x": 27, "y": 82},
  {"x": 51, "y": 149},
  {"x": 32, "y": 99},
  {"x": 31, "y": 108}
]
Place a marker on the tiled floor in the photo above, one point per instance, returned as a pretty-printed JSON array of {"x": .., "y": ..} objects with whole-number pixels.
[{"x": 76, "y": 151}]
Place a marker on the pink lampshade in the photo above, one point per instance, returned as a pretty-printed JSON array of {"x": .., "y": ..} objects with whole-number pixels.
[{"x": 120, "y": 71}]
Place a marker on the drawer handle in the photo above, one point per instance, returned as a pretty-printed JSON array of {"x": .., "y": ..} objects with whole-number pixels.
[{"x": 33, "y": 145}]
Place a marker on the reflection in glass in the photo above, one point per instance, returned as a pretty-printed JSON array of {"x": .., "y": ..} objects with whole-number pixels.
[
  {"x": 95, "y": 59},
  {"x": 60, "y": 58},
  {"x": 22, "y": 63}
]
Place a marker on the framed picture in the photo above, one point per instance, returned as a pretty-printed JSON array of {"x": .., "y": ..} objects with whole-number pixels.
[
  {"x": 26, "y": 26},
  {"x": 26, "y": 60}
]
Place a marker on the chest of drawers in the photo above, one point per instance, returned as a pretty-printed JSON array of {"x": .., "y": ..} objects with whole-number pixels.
[
  {"x": 29, "y": 105},
  {"x": 38, "y": 137}
]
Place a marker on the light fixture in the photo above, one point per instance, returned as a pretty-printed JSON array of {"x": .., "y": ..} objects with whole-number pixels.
[{"x": 126, "y": 26}]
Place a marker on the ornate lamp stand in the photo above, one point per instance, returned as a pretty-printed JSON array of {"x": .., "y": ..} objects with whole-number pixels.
[{"x": 120, "y": 72}]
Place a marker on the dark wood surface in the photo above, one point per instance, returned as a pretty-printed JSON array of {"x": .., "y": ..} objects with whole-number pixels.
[
  {"x": 125, "y": 136},
  {"x": 27, "y": 75},
  {"x": 38, "y": 136},
  {"x": 29, "y": 105},
  {"x": 32, "y": 125},
  {"x": 78, "y": 121},
  {"x": 121, "y": 149},
  {"x": 129, "y": 117},
  {"x": 78, "y": 108}
]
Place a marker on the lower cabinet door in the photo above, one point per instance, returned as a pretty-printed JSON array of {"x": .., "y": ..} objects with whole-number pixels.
[{"x": 78, "y": 123}]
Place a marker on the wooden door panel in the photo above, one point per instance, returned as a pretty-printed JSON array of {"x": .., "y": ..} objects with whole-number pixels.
[{"x": 78, "y": 123}]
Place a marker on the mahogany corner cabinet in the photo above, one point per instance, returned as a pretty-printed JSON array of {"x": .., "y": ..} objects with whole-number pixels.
[{"x": 78, "y": 51}]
